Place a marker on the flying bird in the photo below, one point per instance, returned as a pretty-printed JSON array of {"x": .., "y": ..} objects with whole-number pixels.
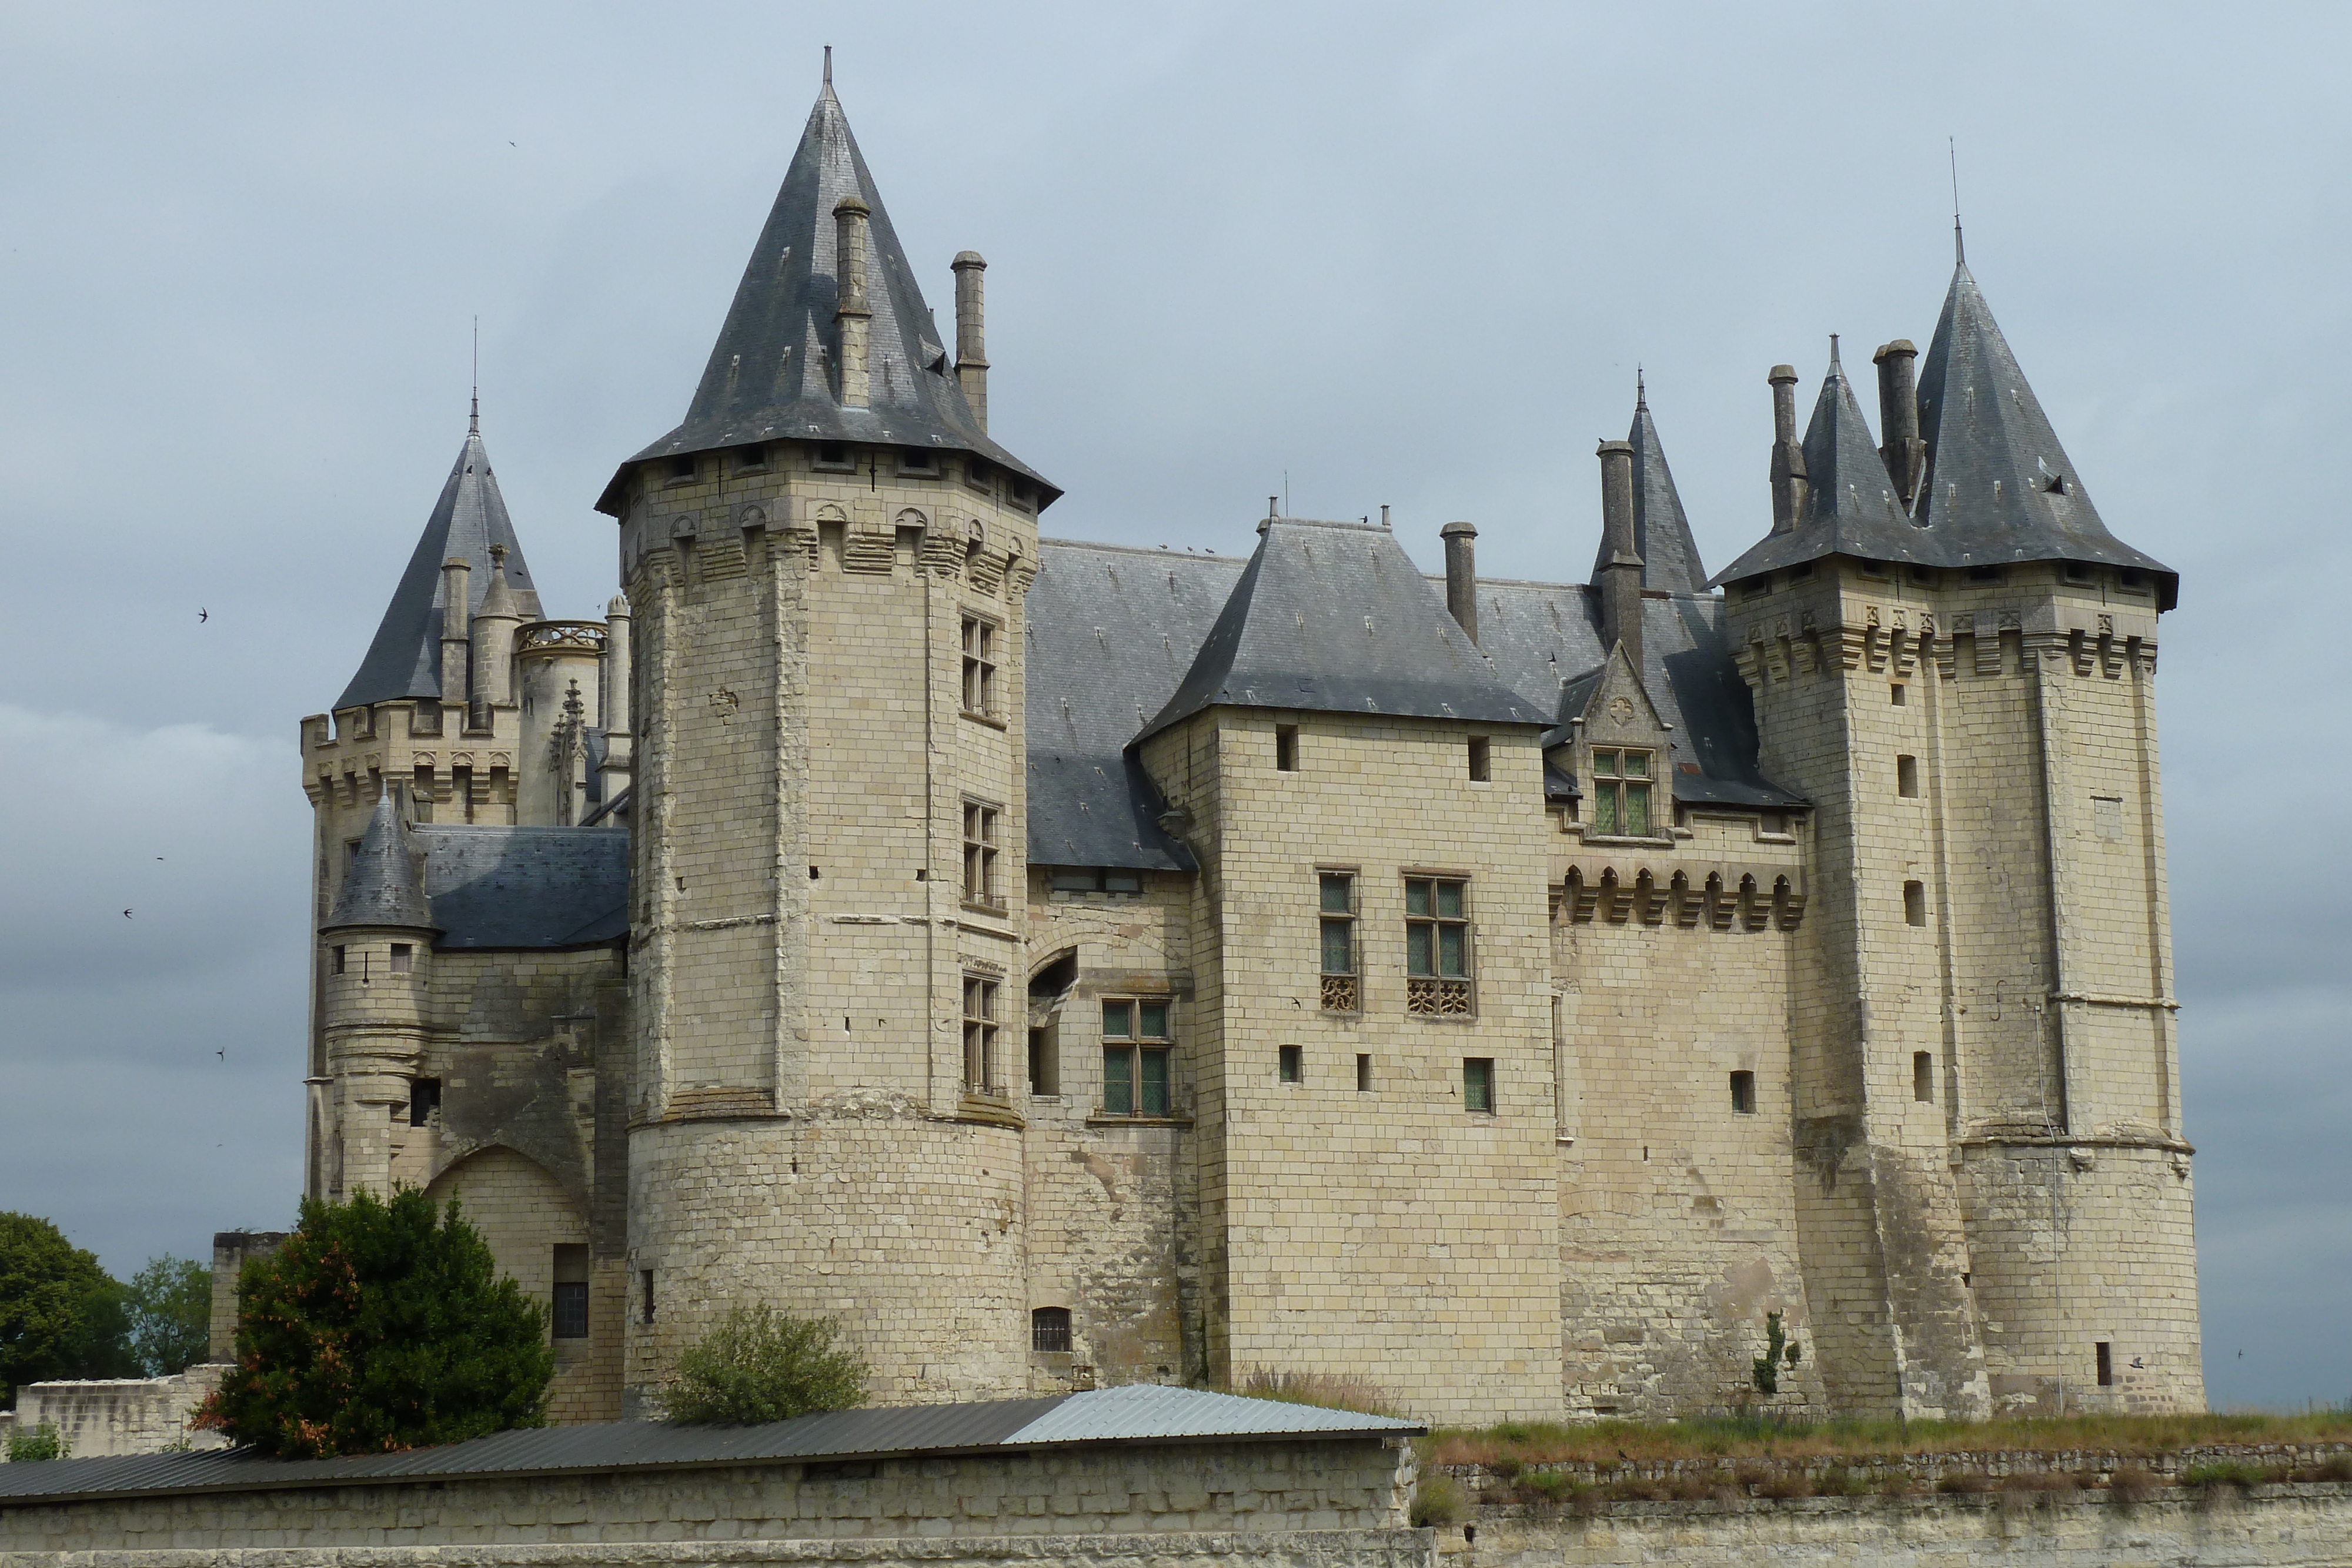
[
  {"x": 126, "y": 914},
  {"x": 203, "y": 615},
  {"x": 222, "y": 1054}
]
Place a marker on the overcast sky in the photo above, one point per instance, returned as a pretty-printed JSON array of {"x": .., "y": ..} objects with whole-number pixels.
[{"x": 1397, "y": 254}]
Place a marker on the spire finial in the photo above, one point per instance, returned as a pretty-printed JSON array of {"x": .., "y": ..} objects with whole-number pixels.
[
  {"x": 1959, "y": 251},
  {"x": 1834, "y": 354},
  {"x": 1641, "y": 390},
  {"x": 828, "y": 66},
  {"x": 474, "y": 420}
]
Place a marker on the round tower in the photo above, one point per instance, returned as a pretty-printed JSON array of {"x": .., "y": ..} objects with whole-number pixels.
[{"x": 378, "y": 952}]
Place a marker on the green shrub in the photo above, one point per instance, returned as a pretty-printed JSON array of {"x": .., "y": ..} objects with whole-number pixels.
[
  {"x": 2227, "y": 1473},
  {"x": 380, "y": 1326},
  {"x": 1327, "y": 1390},
  {"x": 760, "y": 1364},
  {"x": 1439, "y": 1499},
  {"x": 41, "y": 1442}
]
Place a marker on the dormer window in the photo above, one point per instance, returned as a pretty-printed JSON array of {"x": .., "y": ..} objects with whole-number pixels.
[
  {"x": 1621, "y": 793},
  {"x": 2057, "y": 485}
]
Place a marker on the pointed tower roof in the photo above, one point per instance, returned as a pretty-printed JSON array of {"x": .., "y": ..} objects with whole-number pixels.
[
  {"x": 404, "y": 660},
  {"x": 1998, "y": 486},
  {"x": 383, "y": 886},
  {"x": 1662, "y": 533},
  {"x": 1334, "y": 617},
  {"x": 1851, "y": 508},
  {"x": 770, "y": 373}
]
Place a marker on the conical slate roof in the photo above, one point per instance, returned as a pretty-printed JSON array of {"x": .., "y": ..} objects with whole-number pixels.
[
  {"x": 1851, "y": 508},
  {"x": 1662, "y": 533},
  {"x": 383, "y": 887},
  {"x": 1998, "y": 486},
  {"x": 770, "y": 371},
  {"x": 1334, "y": 617},
  {"x": 404, "y": 660}
]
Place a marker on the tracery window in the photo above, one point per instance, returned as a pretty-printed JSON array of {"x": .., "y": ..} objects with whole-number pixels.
[{"x": 1437, "y": 945}]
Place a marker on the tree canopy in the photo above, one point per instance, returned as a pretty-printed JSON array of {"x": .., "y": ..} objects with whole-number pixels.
[
  {"x": 170, "y": 1306},
  {"x": 61, "y": 1315},
  {"x": 380, "y": 1325}
]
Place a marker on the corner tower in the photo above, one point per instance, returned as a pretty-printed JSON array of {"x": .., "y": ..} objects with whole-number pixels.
[
  {"x": 826, "y": 564},
  {"x": 1987, "y": 1080}
]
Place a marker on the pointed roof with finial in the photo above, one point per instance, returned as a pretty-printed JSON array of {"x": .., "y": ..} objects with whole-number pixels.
[
  {"x": 1661, "y": 532},
  {"x": 383, "y": 885},
  {"x": 404, "y": 660},
  {"x": 771, "y": 373},
  {"x": 1998, "y": 487}
]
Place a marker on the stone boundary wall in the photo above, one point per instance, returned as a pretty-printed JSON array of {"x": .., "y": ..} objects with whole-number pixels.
[
  {"x": 1883, "y": 1472},
  {"x": 2301, "y": 1526},
  {"x": 118, "y": 1416}
]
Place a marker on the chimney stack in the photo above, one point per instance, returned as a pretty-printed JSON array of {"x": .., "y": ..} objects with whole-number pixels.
[
  {"x": 1461, "y": 574},
  {"x": 456, "y": 573},
  {"x": 971, "y": 336},
  {"x": 850, "y": 313},
  {"x": 1789, "y": 485},
  {"x": 1621, "y": 577},
  {"x": 1898, "y": 418}
]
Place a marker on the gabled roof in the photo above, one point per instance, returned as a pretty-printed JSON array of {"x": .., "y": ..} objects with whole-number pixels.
[
  {"x": 1851, "y": 508},
  {"x": 404, "y": 660},
  {"x": 1334, "y": 617},
  {"x": 529, "y": 887},
  {"x": 1998, "y": 486},
  {"x": 1661, "y": 532},
  {"x": 383, "y": 887},
  {"x": 770, "y": 373}
]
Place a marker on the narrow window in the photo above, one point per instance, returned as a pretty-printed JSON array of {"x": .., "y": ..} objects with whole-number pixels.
[
  {"x": 1923, "y": 1077},
  {"x": 1621, "y": 793},
  {"x": 342, "y": 961},
  {"x": 1049, "y": 1331},
  {"x": 1743, "y": 1094},
  {"x": 1286, "y": 747},
  {"x": 1479, "y": 1083},
  {"x": 1437, "y": 946},
  {"x": 645, "y": 1278},
  {"x": 2106, "y": 1364},
  {"x": 980, "y": 1035},
  {"x": 1363, "y": 1073},
  {"x": 980, "y": 856},
  {"x": 1044, "y": 1062},
  {"x": 403, "y": 956},
  {"x": 1907, "y": 776},
  {"x": 1481, "y": 762},
  {"x": 424, "y": 1100},
  {"x": 979, "y": 667},
  {"x": 1291, "y": 1065},
  {"x": 1900, "y": 693},
  {"x": 1342, "y": 991},
  {"x": 2107, "y": 818},
  {"x": 1915, "y": 903},
  {"x": 570, "y": 1290},
  {"x": 1135, "y": 1056}
]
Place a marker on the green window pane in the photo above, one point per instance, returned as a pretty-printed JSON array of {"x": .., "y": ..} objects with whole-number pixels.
[
  {"x": 1604, "y": 809},
  {"x": 1416, "y": 898},
  {"x": 1452, "y": 951},
  {"x": 1121, "y": 881},
  {"x": 1337, "y": 956},
  {"x": 1637, "y": 765},
  {"x": 1449, "y": 900},
  {"x": 1417, "y": 950},
  {"x": 1604, "y": 764},
  {"x": 1155, "y": 1020},
  {"x": 1335, "y": 890},
  {"x": 1154, "y": 1100},
  {"x": 1118, "y": 1082},
  {"x": 1118, "y": 1023},
  {"x": 1637, "y": 809},
  {"x": 1478, "y": 1085}
]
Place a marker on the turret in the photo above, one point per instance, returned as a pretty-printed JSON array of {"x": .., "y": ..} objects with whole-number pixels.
[
  {"x": 1620, "y": 577},
  {"x": 971, "y": 338},
  {"x": 378, "y": 945},
  {"x": 491, "y": 657}
]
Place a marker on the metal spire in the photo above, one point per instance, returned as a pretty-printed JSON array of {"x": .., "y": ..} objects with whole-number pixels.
[
  {"x": 1641, "y": 392},
  {"x": 1959, "y": 251},
  {"x": 474, "y": 420}
]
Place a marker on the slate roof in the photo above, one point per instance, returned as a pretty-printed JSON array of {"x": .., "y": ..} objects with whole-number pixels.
[
  {"x": 1661, "y": 532},
  {"x": 383, "y": 887},
  {"x": 1145, "y": 1413},
  {"x": 1998, "y": 487},
  {"x": 1334, "y": 617},
  {"x": 404, "y": 660},
  {"x": 525, "y": 887},
  {"x": 770, "y": 373}
]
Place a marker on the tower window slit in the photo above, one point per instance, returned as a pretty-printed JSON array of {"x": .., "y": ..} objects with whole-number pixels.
[
  {"x": 1914, "y": 903},
  {"x": 1743, "y": 1094},
  {"x": 1923, "y": 1077}
]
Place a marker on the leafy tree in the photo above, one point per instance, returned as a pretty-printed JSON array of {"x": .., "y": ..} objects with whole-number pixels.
[
  {"x": 61, "y": 1315},
  {"x": 760, "y": 1365},
  {"x": 170, "y": 1303},
  {"x": 380, "y": 1326}
]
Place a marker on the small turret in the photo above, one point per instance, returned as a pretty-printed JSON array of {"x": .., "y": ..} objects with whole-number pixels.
[
  {"x": 493, "y": 653},
  {"x": 1619, "y": 576},
  {"x": 971, "y": 338},
  {"x": 382, "y": 887},
  {"x": 379, "y": 940}
]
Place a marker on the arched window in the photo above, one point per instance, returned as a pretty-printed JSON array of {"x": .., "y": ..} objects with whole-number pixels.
[{"x": 1049, "y": 1329}]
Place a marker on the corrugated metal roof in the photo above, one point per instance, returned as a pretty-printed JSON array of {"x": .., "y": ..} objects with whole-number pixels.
[{"x": 1142, "y": 1414}]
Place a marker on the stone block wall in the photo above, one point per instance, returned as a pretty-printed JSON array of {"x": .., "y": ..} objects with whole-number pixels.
[{"x": 120, "y": 1416}]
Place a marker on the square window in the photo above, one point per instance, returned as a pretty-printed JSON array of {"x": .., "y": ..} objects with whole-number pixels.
[
  {"x": 403, "y": 958},
  {"x": 835, "y": 454},
  {"x": 1479, "y": 1083},
  {"x": 1049, "y": 1331},
  {"x": 1136, "y": 1080},
  {"x": 424, "y": 1100},
  {"x": 681, "y": 469},
  {"x": 1119, "y": 1020},
  {"x": 1743, "y": 1094},
  {"x": 750, "y": 457},
  {"x": 1899, "y": 693},
  {"x": 1621, "y": 793},
  {"x": 1292, "y": 1065}
]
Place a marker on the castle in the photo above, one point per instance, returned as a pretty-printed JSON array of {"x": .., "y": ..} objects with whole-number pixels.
[{"x": 1072, "y": 964}]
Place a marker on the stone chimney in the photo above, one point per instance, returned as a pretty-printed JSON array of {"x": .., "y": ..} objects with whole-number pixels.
[
  {"x": 850, "y": 312},
  {"x": 457, "y": 574},
  {"x": 1462, "y": 575},
  {"x": 971, "y": 336},
  {"x": 1621, "y": 577},
  {"x": 1898, "y": 418},
  {"x": 1788, "y": 455}
]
